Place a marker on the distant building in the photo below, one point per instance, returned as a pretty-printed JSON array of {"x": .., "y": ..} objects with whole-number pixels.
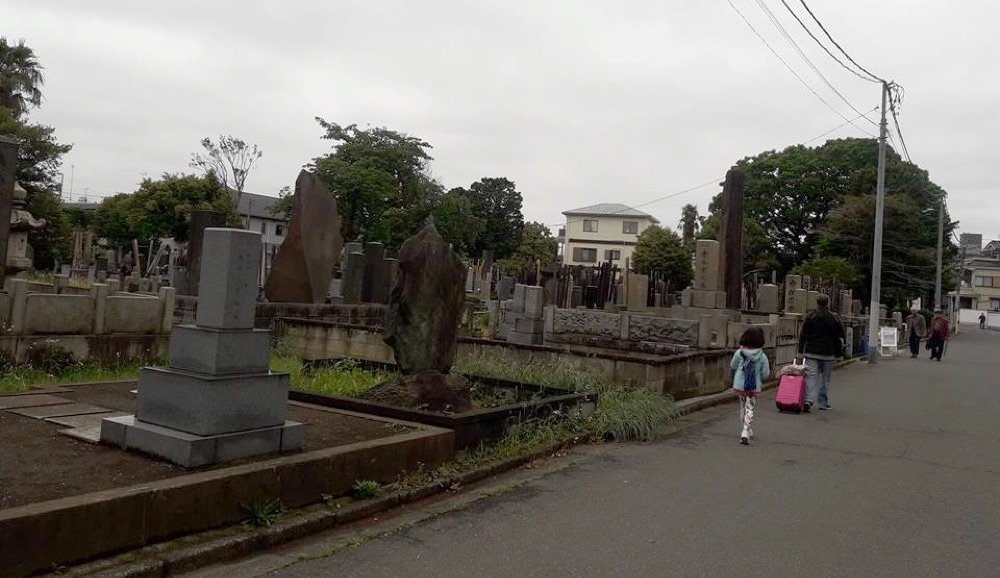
[
  {"x": 972, "y": 243},
  {"x": 980, "y": 288},
  {"x": 604, "y": 232},
  {"x": 255, "y": 212}
]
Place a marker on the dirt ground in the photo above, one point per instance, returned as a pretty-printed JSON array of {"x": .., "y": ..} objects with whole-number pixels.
[{"x": 37, "y": 463}]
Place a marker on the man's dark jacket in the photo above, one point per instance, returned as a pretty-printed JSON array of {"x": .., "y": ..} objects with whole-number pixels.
[{"x": 822, "y": 334}]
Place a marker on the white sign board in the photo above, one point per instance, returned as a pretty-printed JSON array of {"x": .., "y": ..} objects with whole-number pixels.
[{"x": 888, "y": 340}]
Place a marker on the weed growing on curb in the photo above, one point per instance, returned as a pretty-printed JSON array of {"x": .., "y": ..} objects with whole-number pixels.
[
  {"x": 366, "y": 489},
  {"x": 263, "y": 514}
]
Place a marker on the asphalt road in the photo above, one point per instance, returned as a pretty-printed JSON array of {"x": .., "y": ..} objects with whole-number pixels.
[{"x": 901, "y": 478}]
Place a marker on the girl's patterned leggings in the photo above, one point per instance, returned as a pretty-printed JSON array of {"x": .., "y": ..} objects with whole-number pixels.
[{"x": 747, "y": 406}]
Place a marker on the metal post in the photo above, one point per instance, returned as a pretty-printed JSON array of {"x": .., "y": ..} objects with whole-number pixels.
[
  {"x": 940, "y": 249},
  {"x": 873, "y": 311}
]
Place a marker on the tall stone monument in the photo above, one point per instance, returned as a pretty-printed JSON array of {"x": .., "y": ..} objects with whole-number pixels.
[
  {"x": 20, "y": 256},
  {"x": 731, "y": 239},
  {"x": 304, "y": 264},
  {"x": 421, "y": 326},
  {"x": 200, "y": 220},
  {"x": 218, "y": 400}
]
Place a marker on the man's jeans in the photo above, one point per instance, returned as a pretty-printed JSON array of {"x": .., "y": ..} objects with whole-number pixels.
[{"x": 818, "y": 381}]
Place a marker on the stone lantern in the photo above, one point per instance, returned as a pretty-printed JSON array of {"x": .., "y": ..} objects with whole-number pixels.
[{"x": 20, "y": 257}]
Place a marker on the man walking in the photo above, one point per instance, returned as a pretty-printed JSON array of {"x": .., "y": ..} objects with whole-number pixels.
[
  {"x": 916, "y": 328},
  {"x": 821, "y": 343},
  {"x": 982, "y": 321},
  {"x": 938, "y": 334}
]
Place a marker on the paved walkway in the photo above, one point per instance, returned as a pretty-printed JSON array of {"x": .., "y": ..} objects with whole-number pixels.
[{"x": 901, "y": 478}]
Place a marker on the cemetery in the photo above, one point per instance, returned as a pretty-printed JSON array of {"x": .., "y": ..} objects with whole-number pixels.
[{"x": 346, "y": 365}]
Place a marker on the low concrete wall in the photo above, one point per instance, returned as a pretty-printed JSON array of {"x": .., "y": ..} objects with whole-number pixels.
[
  {"x": 99, "y": 311},
  {"x": 40, "y": 537},
  {"x": 109, "y": 349},
  {"x": 366, "y": 314},
  {"x": 687, "y": 374}
]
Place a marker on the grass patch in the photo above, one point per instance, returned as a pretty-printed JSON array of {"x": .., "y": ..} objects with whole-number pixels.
[
  {"x": 558, "y": 373},
  {"x": 52, "y": 365},
  {"x": 366, "y": 489},
  {"x": 345, "y": 377},
  {"x": 263, "y": 514}
]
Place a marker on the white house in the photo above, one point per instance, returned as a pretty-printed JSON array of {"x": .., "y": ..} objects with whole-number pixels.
[
  {"x": 255, "y": 212},
  {"x": 604, "y": 232}
]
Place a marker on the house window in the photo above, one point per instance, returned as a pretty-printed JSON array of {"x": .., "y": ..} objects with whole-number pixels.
[
  {"x": 994, "y": 304},
  {"x": 278, "y": 231},
  {"x": 583, "y": 255},
  {"x": 612, "y": 255},
  {"x": 985, "y": 281},
  {"x": 263, "y": 227},
  {"x": 630, "y": 227},
  {"x": 590, "y": 225}
]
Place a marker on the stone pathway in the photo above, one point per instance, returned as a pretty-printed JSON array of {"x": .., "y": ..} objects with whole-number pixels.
[{"x": 81, "y": 421}]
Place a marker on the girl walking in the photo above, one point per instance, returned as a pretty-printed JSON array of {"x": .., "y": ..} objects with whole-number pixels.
[{"x": 751, "y": 370}]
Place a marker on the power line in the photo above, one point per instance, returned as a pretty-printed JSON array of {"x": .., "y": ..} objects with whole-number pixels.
[
  {"x": 706, "y": 183},
  {"x": 790, "y": 69},
  {"x": 895, "y": 119},
  {"x": 795, "y": 45},
  {"x": 823, "y": 46},
  {"x": 839, "y": 47}
]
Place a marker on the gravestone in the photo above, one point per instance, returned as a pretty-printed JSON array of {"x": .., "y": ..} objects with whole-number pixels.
[
  {"x": 353, "y": 276},
  {"x": 638, "y": 291},
  {"x": 811, "y": 298},
  {"x": 576, "y": 297},
  {"x": 374, "y": 265},
  {"x": 217, "y": 401},
  {"x": 200, "y": 220},
  {"x": 505, "y": 288},
  {"x": 792, "y": 284},
  {"x": 706, "y": 265},
  {"x": 846, "y": 302},
  {"x": 801, "y": 301},
  {"x": 767, "y": 298},
  {"x": 303, "y": 267}
]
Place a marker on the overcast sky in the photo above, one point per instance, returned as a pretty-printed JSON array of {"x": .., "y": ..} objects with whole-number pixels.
[{"x": 579, "y": 102}]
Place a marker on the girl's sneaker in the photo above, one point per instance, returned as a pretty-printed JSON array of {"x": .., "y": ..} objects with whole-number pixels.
[{"x": 744, "y": 441}]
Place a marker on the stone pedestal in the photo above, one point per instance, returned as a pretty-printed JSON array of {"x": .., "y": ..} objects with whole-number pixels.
[
  {"x": 218, "y": 400},
  {"x": 767, "y": 298}
]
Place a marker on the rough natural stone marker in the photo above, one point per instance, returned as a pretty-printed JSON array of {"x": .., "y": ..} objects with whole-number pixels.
[
  {"x": 303, "y": 267},
  {"x": 217, "y": 401},
  {"x": 422, "y": 326}
]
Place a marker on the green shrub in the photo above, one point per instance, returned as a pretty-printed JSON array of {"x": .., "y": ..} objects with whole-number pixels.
[
  {"x": 366, "y": 489},
  {"x": 263, "y": 514}
]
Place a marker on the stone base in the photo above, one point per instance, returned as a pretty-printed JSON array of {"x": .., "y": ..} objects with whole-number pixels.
[
  {"x": 192, "y": 451},
  {"x": 518, "y": 338}
]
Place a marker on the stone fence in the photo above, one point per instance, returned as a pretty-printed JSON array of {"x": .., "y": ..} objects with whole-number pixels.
[
  {"x": 267, "y": 314},
  {"x": 688, "y": 374},
  {"x": 92, "y": 324}
]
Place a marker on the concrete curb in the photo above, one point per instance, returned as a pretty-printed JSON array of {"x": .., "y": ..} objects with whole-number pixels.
[{"x": 183, "y": 555}]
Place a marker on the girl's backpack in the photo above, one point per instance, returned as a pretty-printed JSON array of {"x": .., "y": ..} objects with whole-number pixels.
[{"x": 749, "y": 368}]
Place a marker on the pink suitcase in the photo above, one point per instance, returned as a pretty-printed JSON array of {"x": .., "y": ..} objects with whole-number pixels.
[{"x": 791, "y": 393}]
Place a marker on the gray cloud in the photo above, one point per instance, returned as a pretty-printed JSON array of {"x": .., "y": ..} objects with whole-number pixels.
[{"x": 579, "y": 102}]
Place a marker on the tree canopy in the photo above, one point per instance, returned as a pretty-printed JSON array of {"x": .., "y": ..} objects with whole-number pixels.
[
  {"x": 39, "y": 155},
  {"x": 21, "y": 77},
  {"x": 230, "y": 159},
  {"x": 535, "y": 245},
  {"x": 804, "y": 204},
  {"x": 160, "y": 208},
  {"x": 498, "y": 202},
  {"x": 662, "y": 251}
]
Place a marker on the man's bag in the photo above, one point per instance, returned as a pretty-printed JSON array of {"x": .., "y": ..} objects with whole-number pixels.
[{"x": 791, "y": 393}]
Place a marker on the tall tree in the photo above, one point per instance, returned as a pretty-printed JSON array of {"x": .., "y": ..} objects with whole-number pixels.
[
  {"x": 230, "y": 160},
  {"x": 21, "y": 77},
  {"x": 498, "y": 202},
  {"x": 536, "y": 245},
  {"x": 689, "y": 225},
  {"x": 792, "y": 196},
  {"x": 379, "y": 178},
  {"x": 457, "y": 221},
  {"x": 39, "y": 153},
  {"x": 661, "y": 250}
]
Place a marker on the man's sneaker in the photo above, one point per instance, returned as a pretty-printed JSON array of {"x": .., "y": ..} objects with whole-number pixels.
[
  {"x": 825, "y": 407},
  {"x": 807, "y": 407}
]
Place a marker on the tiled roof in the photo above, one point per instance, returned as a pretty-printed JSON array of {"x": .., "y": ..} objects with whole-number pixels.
[
  {"x": 610, "y": 210},
  {"x": 258, "y": 206}
]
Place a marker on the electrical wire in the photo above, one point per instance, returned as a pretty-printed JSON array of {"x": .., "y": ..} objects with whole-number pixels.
[
  {"x": 823, "y": 46},
  {"x": 795, "y": 45},
  {"x": 789, "y": 67},
  {"x": 839, "y": 47}
]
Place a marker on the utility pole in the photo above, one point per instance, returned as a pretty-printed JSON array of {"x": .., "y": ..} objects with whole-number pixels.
[
  {"x": 940, "y": 250},
  {"x": 873, "y": 310}
]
